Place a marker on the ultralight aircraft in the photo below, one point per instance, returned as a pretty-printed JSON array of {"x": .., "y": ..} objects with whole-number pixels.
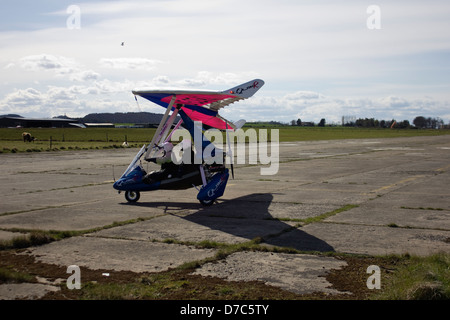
[{"x": 188, "y": 108}]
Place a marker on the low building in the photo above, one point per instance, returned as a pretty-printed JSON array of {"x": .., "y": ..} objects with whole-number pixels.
[{"x": 14, "y": 122}]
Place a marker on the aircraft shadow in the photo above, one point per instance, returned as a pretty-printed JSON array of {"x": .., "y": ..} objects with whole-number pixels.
[{"x": 245, "y": 217}]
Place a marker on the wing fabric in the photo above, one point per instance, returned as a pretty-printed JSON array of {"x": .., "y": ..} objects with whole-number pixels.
[
  {"x": 196, "y": 106},
  {"x": 203, "y": 105}
]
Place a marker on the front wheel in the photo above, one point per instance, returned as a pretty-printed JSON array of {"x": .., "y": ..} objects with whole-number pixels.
[
  {"x": 132, "y": 196},
  {"x": 207, "y": 203}
]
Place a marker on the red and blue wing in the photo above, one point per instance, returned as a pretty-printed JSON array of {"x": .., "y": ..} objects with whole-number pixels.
[{"x": 203, "y": 105}]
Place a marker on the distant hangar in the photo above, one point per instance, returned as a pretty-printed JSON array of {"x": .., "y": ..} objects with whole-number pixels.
[
  {"x": 13, "y": 122},
  {"x": 21, "y": 122}
]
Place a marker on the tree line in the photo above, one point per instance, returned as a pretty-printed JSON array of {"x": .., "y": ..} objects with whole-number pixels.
[
  {"x": 301, "y": 123},
  {"x": 419, "y": 122},
  {"x": 428, "y": 123},
  {"x": 375, "y": 123}
]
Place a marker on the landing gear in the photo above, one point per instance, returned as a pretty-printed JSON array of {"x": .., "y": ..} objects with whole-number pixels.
[
  {"x": 132, "y": 196},
  {"x": 207, "y": 203}
]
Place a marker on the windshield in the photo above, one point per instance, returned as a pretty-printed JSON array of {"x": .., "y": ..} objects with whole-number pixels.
[{"x": 135, "y": 161}]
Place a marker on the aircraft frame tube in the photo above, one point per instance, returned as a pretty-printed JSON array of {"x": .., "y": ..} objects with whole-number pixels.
[{"x": 161, "y": 124}]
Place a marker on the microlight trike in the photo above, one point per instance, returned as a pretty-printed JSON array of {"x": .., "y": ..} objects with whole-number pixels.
[{"x": 187, "y": 164}]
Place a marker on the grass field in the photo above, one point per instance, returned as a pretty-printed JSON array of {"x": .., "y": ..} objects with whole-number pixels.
[
  {"x": 60, "y": 139},
  {"x": 333, "y": 133},
  {"x": 55, "y": 139}
]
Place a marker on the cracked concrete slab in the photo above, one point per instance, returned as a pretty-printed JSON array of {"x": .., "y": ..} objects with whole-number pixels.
[
  {"x": 29, "y": 291},
  {"x": 118, "y": 254},
  {"x": 400, "y": 186},
  {"x": 199, "y": 228},
  {"x": 301, "y": 273}
]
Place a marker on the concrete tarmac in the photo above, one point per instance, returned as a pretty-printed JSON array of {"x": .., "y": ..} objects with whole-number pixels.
[{"x": 371, "y": 196}]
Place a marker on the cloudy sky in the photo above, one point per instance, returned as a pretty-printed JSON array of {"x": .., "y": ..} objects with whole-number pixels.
[{"x": 319, "y": 59}]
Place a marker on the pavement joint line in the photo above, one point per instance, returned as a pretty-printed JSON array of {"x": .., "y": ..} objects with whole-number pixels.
[
  {"x": 52, "y": 207},
  {"x": 443, "y": 169},
  {"x": 88, "y": 232},
  {"x": 422, "y": 208},
  {"x": 62, "y": 172},
  {"x": 400, "y": 183},
  {"x": 381, "y": 225},
  {"x": 67, "y": 188}
]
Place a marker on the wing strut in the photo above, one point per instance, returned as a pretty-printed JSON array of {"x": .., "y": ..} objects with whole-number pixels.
[
  {"x": 160, "y": 127},
  {"x": 230, "y": 153}
]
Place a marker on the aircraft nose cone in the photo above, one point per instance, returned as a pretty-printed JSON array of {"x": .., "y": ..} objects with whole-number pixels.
[{"x": 116, "y": 185}]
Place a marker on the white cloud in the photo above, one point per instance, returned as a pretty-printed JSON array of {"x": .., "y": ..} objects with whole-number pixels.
[
  {"x": 318, "y": 58},
  {"x": 313, "y": 106},
  {"x": 109, "y": 96},
  {"x": 129, "y": 63},
  {"x": 23, "y": 101},
  {"x": 25, "y": 97},
  {"x": 40, "y": 62},
  {"x": 203, "y": 80},
  {"x": 61, "y": 66},
  {"x": 161, "y": 80},
  {"x": 84, "y": 75}
]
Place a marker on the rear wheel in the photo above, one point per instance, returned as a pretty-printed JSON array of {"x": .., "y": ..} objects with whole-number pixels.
[
  {"x": 132, "y": 196},
  {"x": 206, "y": 202}
]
